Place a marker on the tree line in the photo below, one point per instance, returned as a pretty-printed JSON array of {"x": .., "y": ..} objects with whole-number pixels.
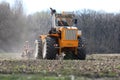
[{"x": 101, "y": 30}]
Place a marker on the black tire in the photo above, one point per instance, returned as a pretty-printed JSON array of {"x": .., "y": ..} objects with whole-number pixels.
[
  {"x": 51, "y": 51},
  {"x": 81, "y": 50},
  {"x": 39, "y": 54},
  {"x": 69, "y": 55}
]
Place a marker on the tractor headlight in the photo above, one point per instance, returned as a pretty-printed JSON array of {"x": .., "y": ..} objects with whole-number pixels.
[{"x": 79, "y": 32}]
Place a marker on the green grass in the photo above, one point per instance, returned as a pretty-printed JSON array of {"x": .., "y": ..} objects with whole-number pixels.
[
  {"x": 40, "y": 77},
  {"x": 30, "y": 77}
]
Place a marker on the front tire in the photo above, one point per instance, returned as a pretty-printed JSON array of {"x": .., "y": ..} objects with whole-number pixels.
[
  {"x": 51, "y": 51},
  {"x": 81, "y": 50}
]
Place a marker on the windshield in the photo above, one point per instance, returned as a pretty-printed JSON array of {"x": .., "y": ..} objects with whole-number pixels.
[{"x": 62, "y": 20}]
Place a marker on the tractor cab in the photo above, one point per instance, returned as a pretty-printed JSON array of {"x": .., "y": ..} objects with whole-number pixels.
[{"x": 64, "y": 19}]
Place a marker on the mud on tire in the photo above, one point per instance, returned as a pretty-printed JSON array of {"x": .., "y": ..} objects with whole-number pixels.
[{"x": 39, "y": 49}]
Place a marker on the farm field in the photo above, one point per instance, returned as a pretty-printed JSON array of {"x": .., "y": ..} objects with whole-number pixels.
[{"x": 95, "y": 67}]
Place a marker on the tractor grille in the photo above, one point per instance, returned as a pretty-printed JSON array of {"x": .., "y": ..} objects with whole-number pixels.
[{"x": 70, "y": 34}]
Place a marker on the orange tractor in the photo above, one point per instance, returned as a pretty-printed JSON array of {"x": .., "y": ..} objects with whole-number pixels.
[{"x": 64, "y": 39}]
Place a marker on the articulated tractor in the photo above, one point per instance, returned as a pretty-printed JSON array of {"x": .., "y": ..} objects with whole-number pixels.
[{"x": 63, "y": 39}]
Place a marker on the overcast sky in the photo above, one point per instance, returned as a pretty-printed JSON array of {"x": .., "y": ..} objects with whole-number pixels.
[{"x": 31, "y": 6}]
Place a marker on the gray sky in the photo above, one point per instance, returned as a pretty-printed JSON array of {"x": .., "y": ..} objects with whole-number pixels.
[{"x": 32, "y": 6}]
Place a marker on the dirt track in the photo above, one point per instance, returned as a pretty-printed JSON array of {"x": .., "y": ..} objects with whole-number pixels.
[{"x": 9, "y": 56}]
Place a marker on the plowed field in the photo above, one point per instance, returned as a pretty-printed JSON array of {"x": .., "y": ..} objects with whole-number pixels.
[{"x": 96, "y": 65}]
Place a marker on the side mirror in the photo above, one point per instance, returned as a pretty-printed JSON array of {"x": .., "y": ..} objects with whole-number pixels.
[{"x": 75, "y": 21}]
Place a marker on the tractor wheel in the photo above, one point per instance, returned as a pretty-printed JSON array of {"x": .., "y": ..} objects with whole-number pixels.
[
  {"x": 38, "y": 50},
  {"x": 49, "y": 50},
  {"x": 81, "y": 49},
  {"x": 69, "y": 55}
]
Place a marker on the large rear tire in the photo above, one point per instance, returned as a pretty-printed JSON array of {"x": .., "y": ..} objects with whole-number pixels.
[{"x": 81, "y": 50}]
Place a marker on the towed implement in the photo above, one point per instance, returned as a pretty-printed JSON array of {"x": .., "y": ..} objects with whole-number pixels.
[{"x": 64, "y": 39}]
